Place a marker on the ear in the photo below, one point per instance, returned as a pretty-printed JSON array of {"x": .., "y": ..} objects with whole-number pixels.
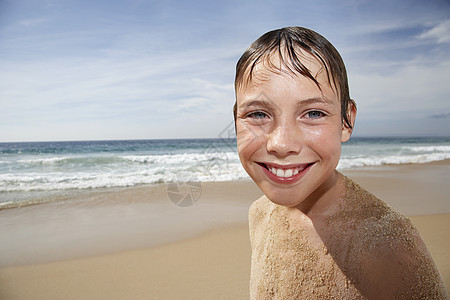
[{"x": 351, "y": 113}]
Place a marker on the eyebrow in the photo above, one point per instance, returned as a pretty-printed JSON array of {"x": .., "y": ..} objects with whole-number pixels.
[
  {"x": 264, "y": 103},
  {"x": 315, "y": 100},
  {"x": 269, "y": 103}
]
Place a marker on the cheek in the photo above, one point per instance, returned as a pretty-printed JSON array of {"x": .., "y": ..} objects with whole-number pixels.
[
  {"x": 248, "y": 141},
  {"x": 325, "y": 140}
]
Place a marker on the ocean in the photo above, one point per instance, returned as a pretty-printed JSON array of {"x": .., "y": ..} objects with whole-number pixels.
[{"x": 38, "y": 171}]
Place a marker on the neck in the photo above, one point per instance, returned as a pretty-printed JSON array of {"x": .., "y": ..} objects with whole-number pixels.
[{"x": 323, "y": 200}]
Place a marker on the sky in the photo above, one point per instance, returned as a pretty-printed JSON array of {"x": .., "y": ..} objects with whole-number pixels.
[{"x": 144, "y": 69}]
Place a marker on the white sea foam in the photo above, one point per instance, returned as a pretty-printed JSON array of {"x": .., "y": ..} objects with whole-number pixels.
[
  {"x": 42, "y": 161},
  {"x": 429, "y": 149},
  {"x": 181, "y": 158},
  {"x": 352, "y": 162},
  {"x": 204, "y": 171},
  {"x": 103, "y": 167}
]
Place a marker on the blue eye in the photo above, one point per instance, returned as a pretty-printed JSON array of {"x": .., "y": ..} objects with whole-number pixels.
[
  {"x": 257, "y": 115},
  {"x": 315, "y": 114}
]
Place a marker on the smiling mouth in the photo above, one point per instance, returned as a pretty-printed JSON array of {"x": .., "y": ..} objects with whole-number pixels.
[{"x": 285, "y": 173}]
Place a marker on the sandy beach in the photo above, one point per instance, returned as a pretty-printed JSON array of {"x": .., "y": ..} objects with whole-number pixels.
[{"x": 136, "y": 244}]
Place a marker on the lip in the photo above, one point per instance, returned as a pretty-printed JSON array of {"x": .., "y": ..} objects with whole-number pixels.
[{"x": 302, "y": 168}]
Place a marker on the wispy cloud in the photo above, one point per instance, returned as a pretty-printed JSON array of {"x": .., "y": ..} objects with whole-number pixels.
[{"x": 440, "y": 33}]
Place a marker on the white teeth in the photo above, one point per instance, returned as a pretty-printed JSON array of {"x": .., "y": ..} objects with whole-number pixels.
[
  {"x": 285, "y": 173},
  {"x": 280, "y": 173},
  {"x": 288, "y": 173}
]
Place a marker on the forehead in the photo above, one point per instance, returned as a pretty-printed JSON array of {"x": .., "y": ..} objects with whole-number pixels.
[
  {"x": 281, "y": 63},
  {"x": 274, "y": 66}
]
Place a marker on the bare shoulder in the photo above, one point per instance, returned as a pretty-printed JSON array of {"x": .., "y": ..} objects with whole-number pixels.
[
  {"x": 258, "y": 210},
  {"x": 380, "y": 250},
  {"x": 258, "y": 218},
  {"x": 398, "y": 261}
]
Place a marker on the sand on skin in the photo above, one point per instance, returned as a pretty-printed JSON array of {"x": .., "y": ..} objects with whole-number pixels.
[{"x": 217, "y": 264}]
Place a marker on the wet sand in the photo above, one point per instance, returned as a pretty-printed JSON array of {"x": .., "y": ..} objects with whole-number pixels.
[{"x": 136, "y": 244}]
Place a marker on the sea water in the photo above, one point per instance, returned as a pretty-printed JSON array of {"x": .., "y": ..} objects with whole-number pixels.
[{"x": 37, "y": 171}]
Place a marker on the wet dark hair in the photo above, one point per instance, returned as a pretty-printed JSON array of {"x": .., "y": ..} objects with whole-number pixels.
[{"x": 288, "y": 43}]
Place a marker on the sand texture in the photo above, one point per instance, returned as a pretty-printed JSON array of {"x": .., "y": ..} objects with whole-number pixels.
[
  {"x": 363, "y": 250},
  {"x": 213, "y": 266}
]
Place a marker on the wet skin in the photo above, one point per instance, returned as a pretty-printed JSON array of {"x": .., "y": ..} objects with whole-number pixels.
[{"x": 289, "y": 135}]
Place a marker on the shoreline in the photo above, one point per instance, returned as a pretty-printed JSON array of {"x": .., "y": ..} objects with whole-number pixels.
[
  {"x": 107, "y": 222},
  {"x": 360, "y": 173}
]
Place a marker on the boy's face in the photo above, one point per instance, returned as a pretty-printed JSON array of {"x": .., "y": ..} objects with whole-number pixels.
[{"x": 289, "y": 133}]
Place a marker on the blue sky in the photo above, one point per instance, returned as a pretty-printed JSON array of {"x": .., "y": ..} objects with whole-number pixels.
[{"x": 86, "y": 70}]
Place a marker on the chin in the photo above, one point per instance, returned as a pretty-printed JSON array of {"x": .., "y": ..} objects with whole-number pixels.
[{"x": 281, "y": 196}]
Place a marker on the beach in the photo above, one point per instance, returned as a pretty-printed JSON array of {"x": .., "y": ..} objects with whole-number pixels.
[{"x": 135, "y": 243}]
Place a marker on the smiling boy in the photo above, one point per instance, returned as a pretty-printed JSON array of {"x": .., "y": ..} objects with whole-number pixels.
[{"x": 316, "y": 234}]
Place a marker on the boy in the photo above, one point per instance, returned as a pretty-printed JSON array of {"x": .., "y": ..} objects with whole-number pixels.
[{"x": 315, "y": 234}]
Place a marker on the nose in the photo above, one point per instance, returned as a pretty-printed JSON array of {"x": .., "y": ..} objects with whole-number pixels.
[{"x": 284, "y": 139}]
